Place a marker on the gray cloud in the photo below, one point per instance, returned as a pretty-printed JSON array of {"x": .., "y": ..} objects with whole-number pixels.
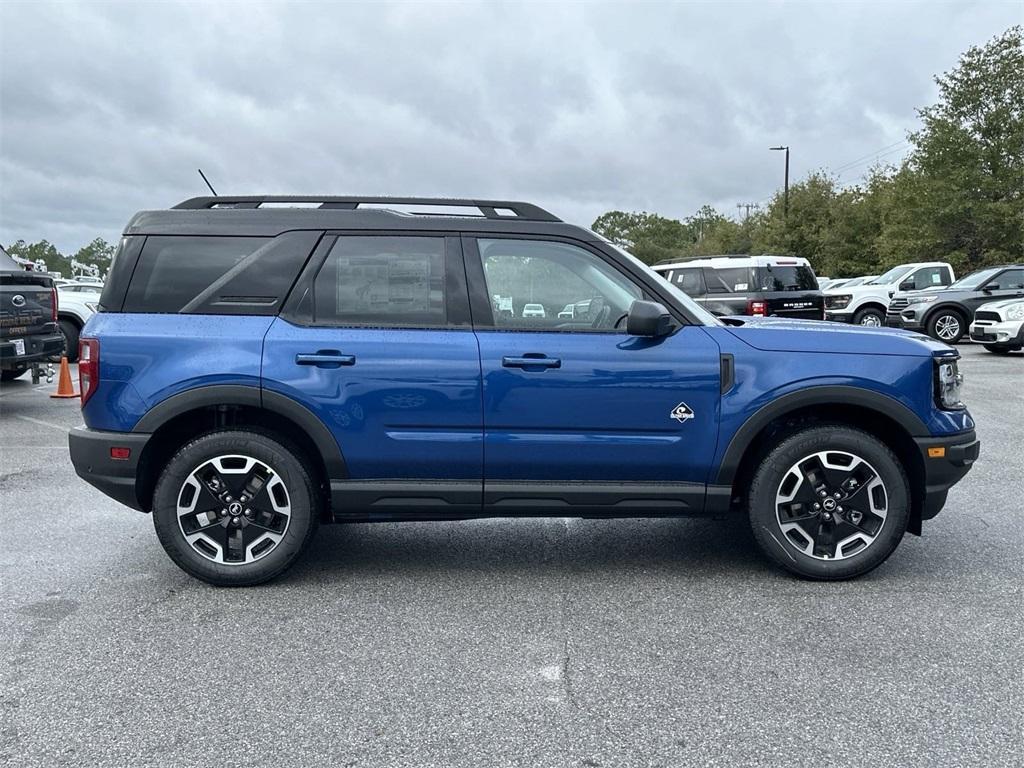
[{"x": 106, "y": 109}]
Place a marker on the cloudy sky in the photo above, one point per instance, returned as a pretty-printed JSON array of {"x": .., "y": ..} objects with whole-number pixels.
[{"x": 106, "y": 109}]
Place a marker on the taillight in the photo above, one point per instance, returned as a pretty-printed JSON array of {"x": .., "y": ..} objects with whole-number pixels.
[
  {"x": 53, "y": 310},
  {"x": 757, "y": 308},
  {"x": 88, "y": 367}
]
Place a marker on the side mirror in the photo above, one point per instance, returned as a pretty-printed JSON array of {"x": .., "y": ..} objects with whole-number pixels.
[
  {"x": 907, "y": 285},
  {"x": 648, "y": 318},
  {"x": 988, "y": 288}
]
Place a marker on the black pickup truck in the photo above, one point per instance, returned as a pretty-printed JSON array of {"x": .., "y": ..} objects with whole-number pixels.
[{"x": 28, "y": 319}]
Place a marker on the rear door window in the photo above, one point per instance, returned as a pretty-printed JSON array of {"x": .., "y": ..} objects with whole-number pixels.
[
  {"x": 729, "y": 279},
  {"x": 382, "y": 281},
  {"x": 690, "y": 281}
]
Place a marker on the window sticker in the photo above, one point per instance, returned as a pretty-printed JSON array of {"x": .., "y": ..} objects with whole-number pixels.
[{"x": 740, "y": 287}]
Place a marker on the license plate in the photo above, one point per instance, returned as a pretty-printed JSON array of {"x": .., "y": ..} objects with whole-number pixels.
[{"x": 19, "y": 346}]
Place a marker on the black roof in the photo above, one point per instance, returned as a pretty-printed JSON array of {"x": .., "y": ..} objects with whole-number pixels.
[{"x": 263, "y": 215}]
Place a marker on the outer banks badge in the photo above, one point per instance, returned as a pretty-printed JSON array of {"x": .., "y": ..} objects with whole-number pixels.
[{"x": 682, "y": 413}]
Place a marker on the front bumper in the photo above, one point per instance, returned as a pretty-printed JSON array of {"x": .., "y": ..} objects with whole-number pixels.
[
  {"x": 1005, "y": 332},
  {"x": 946, "y": 461},
  {"x": 37, "y": 349},
  {"x": 838, "y": 317},
  {"x": 90, "y": 454},
  {"x": 908, "y": 322}
]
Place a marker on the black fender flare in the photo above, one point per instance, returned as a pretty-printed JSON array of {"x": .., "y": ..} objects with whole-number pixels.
[
  {"x": 815, "y": 395},
  {"x": 253, "y": 397}
]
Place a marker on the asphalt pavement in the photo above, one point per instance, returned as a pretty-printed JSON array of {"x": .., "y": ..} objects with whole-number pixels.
[{"x": 509, "y": 642}]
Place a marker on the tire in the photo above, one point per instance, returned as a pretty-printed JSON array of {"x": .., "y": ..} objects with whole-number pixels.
[
  {"x": 70, "y": 332},
  {"x": 944, "y": 319},
  {"x": 869, "y": 316},
  {"x": 256, "y": 557},
  {"x": 998, "y": 350},
  {"x": 788, "y": 477},
  {"x": 12, "y": 373}
]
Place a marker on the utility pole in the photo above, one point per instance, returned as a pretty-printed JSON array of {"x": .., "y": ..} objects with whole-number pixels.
[
  {"x": 785, "y": 192},
  {"x": 747, "y": 208}
]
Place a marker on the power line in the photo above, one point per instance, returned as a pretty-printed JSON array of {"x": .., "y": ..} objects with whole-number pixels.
[{"x": 883, "y": 152}]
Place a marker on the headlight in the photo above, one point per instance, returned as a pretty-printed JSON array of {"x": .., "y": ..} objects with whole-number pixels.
[
  {"x": 838, "y": 302},
  {"x": 921, "y": 299},
  {"x": 948, "y": 381},
  {"x": 1015, "y": 311}
]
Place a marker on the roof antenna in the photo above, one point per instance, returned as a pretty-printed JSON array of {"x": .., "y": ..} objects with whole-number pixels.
[{"x": 207, "y": 181}]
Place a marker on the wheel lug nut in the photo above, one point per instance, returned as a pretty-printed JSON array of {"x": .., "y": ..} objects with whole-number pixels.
[
  {"x": 248, "y": 513},
  {"x": 839, "y": 509},
  {"x": 227, "y": 498},
  {"x": 817, "y": 505},
  {"x": 835, "y": 495},
  {"x": 827, "y": 515},
  {"x": 823, "y": 494},
  {"x": 236, "y": 521}
]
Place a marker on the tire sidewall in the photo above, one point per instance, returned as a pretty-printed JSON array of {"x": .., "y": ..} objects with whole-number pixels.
[
  {"x": 284, "y": 461},
  {"x": 769, "y": 475},
  {"x": 70, "y": 333},
  {"x": 861, "y": 314}
]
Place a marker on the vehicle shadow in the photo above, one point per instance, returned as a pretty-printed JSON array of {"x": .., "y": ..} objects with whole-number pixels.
[{"x": 695, "y": 547}]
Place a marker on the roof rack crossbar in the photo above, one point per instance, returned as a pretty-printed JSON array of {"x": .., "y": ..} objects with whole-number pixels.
[{"x": 488, "y": 208}]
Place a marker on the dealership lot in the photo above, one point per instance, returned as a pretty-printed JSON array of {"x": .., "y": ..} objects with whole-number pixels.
[{"x": 509, "y": 642}]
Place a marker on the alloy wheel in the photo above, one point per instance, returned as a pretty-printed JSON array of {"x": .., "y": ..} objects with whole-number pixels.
[
  {"x": 831, "y": 505},
  {"x": 947, "y": 327},
  {"x": 874, "y": 321},
  {"x": 233, "y": 509}
]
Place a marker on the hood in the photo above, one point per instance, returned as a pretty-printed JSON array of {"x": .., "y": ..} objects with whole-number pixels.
[
  {"x": 1002, "y": 303},
  {"x": 929, "y": 291},
  {"x": 867, "y": 288},
  {"x": 778, "y": 335}
]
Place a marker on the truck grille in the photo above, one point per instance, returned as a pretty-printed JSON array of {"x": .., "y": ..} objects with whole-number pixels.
[{"x": 897, "y": 304}]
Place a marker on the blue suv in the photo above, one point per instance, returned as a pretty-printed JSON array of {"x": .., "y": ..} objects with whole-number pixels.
[{"x": 262, "y": 365}]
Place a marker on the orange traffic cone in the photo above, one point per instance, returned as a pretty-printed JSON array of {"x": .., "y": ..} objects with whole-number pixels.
[{"x": 64, "y": 386}]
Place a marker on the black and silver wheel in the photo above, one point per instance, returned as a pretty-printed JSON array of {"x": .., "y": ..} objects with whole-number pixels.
[
  {"x": 235, "y": 508},
  {"x": 70, "y": 333},
  {"x": 947, "y": 325},
  {"x": 870, "y": 317},
  {"x": 829, "y": 503}
]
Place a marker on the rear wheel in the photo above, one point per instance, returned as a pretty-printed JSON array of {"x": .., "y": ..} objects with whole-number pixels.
[
  {"x": 235, "y": 508},
  {"x": 829, "y": 502},
  {"x": 947, "y": 325},
  {"x": 13, "y": 373},
  {"x": 869, "y": 316},
  {"x": 70, "y": 332}
]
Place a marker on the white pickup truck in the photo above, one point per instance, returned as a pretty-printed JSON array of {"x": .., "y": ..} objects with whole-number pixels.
[
  {"x": 76, "y": 303},
  {"x": 866, "y": 304}
]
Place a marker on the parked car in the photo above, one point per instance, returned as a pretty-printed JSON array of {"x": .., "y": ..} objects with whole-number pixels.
[
  {"x": 255, "y": 372},
  {"x": 75, "y": 306},
  {"x": 866, "y": 304},
  {"x": 946, "y": 314},
  {"x": 999, "y": 325},
  {"x": 28, "y": 319},
  {"x": 764, "y": 286},
  {"x": 533, "y": 310}
]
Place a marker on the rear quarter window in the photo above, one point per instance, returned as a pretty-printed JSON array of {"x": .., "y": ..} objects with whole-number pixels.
[{"x": 729, "y": 279}]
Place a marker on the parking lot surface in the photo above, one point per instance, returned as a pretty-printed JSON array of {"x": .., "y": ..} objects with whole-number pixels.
[{"x": 509, "y": 642}]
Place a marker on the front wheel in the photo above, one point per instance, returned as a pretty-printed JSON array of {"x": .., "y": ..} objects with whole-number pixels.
[
  {"x": 998, "y": 350},
  {"x": 830, "y": 502},
  {"x": 235, "y": 508},
  {"x": 872, "y": 318},
  {"x": 947, "y": 325}
]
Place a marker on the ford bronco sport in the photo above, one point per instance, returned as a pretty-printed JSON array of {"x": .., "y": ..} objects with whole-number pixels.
[{"x": 256, "y": 370}]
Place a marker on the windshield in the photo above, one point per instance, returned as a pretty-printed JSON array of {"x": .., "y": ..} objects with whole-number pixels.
[
  {"x": 973, "y": 280},
  {"x": 892, "y": 276},
  {"x": 6, "y": 262},
  {"x": 692, "y": 307}
]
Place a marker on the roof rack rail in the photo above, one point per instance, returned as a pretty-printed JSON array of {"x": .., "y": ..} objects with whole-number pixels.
[{"x": 491, "y": 209}]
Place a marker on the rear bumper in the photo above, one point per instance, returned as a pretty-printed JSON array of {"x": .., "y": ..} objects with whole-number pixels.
[
  {"x": 37, "y": 349},
  {"x": 90, "y": 454},
  {"x": 946, "y": 461}
]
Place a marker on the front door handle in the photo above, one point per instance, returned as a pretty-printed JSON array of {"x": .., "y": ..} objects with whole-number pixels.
[
  {"x": 325, "y": 358},
  {"x": 531, "y": 360}
]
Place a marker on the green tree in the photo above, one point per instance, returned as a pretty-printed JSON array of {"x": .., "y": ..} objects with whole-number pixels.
[
  {"x": 55, "y": 261},
  {"x": 963, "y": 186},
  {"x": 98, "y": 253},
  {"x": 648, "y": 236}
]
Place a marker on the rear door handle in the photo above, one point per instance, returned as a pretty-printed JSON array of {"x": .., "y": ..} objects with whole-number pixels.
[
  {"x": 325, "y": 358},
  {"x": 531, "y": 360}
]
